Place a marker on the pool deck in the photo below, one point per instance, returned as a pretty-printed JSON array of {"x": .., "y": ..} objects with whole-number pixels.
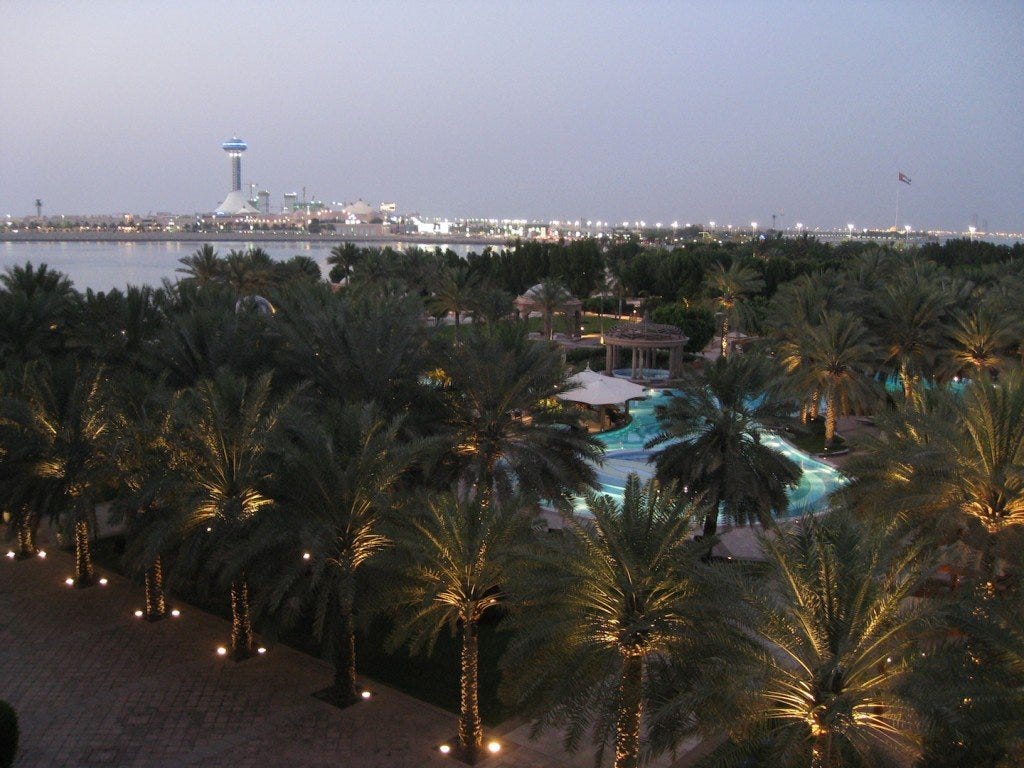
[{"x": 95, "y": 687}]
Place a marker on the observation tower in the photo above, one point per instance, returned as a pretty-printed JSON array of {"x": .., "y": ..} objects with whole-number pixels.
[{"x": 235, "y": 147}]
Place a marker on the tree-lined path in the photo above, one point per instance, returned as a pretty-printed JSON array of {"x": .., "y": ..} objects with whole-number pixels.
[{"x": 94, "y": 686}]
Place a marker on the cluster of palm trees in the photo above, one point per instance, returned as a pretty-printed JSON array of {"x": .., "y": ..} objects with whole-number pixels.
[{"x": 287, "y": 461}]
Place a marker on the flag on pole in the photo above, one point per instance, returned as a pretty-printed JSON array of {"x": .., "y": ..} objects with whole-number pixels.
[{"x": 904, "y": 178}]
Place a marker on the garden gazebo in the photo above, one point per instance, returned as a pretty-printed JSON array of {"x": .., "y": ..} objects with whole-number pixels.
[
  {"x": 644, "y": 340},
  {"x": 548, "y": 299}
]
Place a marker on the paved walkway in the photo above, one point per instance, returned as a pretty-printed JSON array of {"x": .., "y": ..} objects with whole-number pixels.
[{"x": 94, "y": 686}]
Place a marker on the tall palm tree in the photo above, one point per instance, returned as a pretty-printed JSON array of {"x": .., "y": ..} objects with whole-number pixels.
[
  {"x": 833, "y": 636},
  {"x": 227, "y": 426},
  {"x": 144, "y": 438},
  {"x": 64, "y": 417},
  {"x": 834, "y": 360},
  {"x": 908, "y": 319},
  {"x": 334, "y": 484},
  {"x": 729, "y": 289},
  {"x": 625, "y": 588},
  {"x": 551, "y": 297},
  {"x": 344, "y": 258},
  {"x": 454, "y": 290},
  {"x": 36, "y": 280},
  {"x": 981, "y": 342},
  {"x": 503, "y": 429},
  {"x": 712, "y": 448},
  {"x": 459, "y": 554},
  {"x": 963, "y": 457},
  {"x": 204, "y": 266}
]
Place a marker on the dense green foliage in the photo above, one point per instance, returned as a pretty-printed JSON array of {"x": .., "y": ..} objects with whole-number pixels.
[
  {"x": 8, "y": 734},
  {"x": 331, "y": 455}
]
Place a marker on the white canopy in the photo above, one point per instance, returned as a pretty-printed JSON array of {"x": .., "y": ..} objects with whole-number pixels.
[
  {"x": 595, "y": 388},
  {"x": 234, "y": 204}
]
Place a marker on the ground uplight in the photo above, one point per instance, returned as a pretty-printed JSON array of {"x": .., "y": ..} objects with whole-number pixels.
[
  {"x": 493, "y": 747},
  {"x": 222, "y": 651}
]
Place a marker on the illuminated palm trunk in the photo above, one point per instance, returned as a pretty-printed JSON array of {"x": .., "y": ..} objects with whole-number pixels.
[
  {"x": 907, "y": 381},
  {"x": 156, "y": 604},
  {"x": 471, "y": 731},
  {"x": 345, "y": 652},
  {"x": 85, "y": 576},
  {"x": 830, "y": 419},
  {"x": 241, "y": 621},
  {"x": 26, "y": 539},
  {"x": 627, "y": 724},
  {"x": 725, "y": 335},
  {"x": 815, "y": 405}
]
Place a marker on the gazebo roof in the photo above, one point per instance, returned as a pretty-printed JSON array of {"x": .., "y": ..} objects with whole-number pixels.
[
  {"x": 645, "y": 332},
  {"x": 595, "y": 388}
]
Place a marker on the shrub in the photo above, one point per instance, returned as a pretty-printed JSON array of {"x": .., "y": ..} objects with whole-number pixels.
[{"x": 8, "y": 734}]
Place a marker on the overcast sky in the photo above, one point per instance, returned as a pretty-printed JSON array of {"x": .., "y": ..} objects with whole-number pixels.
[{"x": 726, "y": 111}]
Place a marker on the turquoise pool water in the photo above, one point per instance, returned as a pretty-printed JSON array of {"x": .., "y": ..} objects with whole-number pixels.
[{"x": 625, "y": 453}]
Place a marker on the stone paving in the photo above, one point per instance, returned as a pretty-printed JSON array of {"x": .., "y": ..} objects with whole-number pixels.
[{"x": 96, "y": 687}]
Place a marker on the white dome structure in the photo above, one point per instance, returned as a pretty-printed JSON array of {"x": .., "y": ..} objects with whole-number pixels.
[{"x": 235, "y": 204}]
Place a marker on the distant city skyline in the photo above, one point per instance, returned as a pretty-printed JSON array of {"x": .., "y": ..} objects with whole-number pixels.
[{"x": 552, "y": 110}]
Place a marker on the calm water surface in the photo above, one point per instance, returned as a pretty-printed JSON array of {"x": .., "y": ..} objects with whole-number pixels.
[{"x": 102, "y": 266}]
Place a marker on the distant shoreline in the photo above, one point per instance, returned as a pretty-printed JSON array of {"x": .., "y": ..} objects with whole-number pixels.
[{"x": 234, "y": 237}]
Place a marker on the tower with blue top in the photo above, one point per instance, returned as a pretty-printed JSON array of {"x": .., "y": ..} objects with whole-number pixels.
[{"x": 235, "y": 147}]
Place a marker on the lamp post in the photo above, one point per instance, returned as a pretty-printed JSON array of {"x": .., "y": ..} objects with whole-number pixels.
[
  {"x": 849, "y": 231},
  {"x": 972, "y": 230}
]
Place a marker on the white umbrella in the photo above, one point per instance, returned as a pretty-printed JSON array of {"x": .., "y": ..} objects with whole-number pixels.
[{"x": 595, "y": 388}]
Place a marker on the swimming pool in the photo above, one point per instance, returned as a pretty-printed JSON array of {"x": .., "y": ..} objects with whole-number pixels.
[{"x": 625, "y": 453}]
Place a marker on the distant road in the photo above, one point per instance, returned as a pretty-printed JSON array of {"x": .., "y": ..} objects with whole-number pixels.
[{"x": 256, "y": 237}]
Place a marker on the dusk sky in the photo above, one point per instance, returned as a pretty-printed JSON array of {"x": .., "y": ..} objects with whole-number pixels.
[{"x": 727, "y": 111}]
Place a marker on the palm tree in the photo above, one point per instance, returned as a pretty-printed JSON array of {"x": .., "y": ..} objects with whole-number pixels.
[
  {"x": 227, "y": 428},
  {"x": 833, "y": 636},
  {"x": 333, "y": 486},
  {"x": 729, "y": 289},
  {"x": 626, "y": 588},
  {"x": 551, "y": 296},
  {"x": 459, "y": 554},
  {"x": 503, "y": 429},
  {"x": 344, "y": 258},
  {"x": 455, "y": 289},
  {"x": 712, "y": 443},
  {"x": 144, "y": 438},
  {"x": 981, "y": 342},
  {"x": 204, "y": 266},
  {"x": 33, "y": 281},
  {"x": 833, "y": 360},
  {"x": 65, "y": 421},
  {"x": 908, "y": 320},
  {"x": 962, "y": 457}
]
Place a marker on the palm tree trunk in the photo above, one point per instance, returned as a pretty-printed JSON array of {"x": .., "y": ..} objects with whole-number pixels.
[
  {"x": 627, "y": 724},
  {"x": 85, "y": 576},
  {"x": 156, "y": 604},
  {"x": 26, "y": 538},
  {"x": 345, "y": 661},
  {"x": 471, "y": 731},
  {"x": 830, "y": 419},
  {"x": 815, "y": 405},
  {"x": 907, "y": 381},
  {"x": 725, "y": 335},
  {"x": 241, "y": 621}
]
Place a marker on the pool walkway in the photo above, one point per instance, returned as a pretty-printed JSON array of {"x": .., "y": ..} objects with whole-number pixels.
[{"x": 94, "y": 686}]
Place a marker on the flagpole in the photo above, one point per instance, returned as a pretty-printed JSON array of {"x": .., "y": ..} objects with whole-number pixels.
[{"x": 896, "y": 221}]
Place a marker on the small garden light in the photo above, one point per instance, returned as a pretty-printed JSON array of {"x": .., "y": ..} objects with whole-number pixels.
[
  {"x": 444, "y": 749},
  {"x": 10, "y": 554},
  {"x": 493, "y": 747},
  {"x": 222, "y": 651},
  {"x": 138, "y": 614},
  {"x": 69, "y": 582},
  {"x": 306, "y": 556},
  {"x": 103, "y": 582},
  {"x": 261, "y": 650},
  {"x": 42, "y": 554},
  {"x": 175, "y": 613},
  {"x": 365, "y": 694}
]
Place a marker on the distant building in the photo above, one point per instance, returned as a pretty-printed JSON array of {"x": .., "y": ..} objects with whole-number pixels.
[{"x": 235, "y": 203}]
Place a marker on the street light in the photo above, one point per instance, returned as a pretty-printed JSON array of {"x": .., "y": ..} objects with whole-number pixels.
[
  {"x": 849, "y": 229},
  {"x": 972, "y": 230}
]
